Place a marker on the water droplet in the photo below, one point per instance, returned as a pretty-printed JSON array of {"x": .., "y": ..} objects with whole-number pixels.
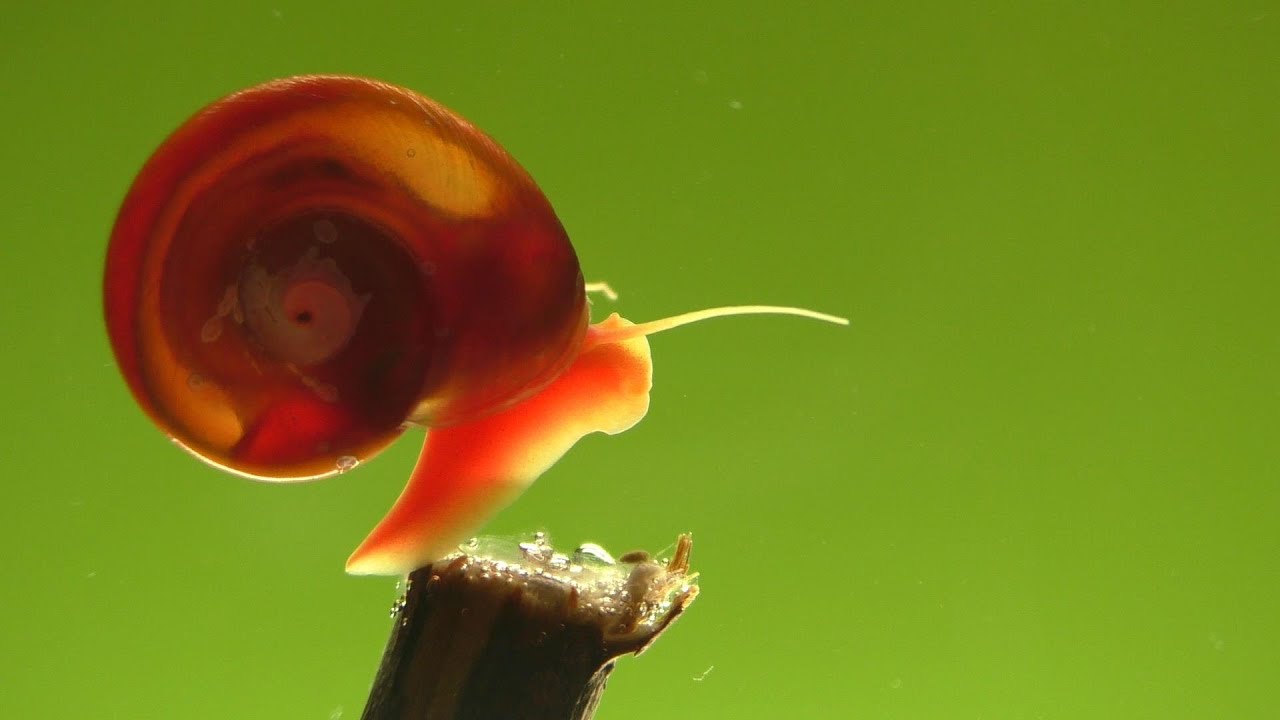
[
  {"x": 346, "y": 462},
  {"x": 410, "y": 152}
]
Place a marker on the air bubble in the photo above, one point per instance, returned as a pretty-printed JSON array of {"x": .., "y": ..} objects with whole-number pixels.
[
  {"x": 535, "y": 550},
  {"x": 346, "y": 462},
  {"x": 591, "y": 553},
  {"x": 400, "y": 604},
  {"x": 211, "y": 330},
  {"x": 326, "y": 232}
]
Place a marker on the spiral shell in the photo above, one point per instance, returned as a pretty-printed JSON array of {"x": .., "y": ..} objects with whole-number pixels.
[{"x": 307, "y": 266}]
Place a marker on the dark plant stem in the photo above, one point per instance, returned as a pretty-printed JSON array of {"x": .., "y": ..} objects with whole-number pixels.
[{"x": 530, "y": 637}]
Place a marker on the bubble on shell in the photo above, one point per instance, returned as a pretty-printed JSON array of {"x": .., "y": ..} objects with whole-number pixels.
[{"x": 326, "y": 232}]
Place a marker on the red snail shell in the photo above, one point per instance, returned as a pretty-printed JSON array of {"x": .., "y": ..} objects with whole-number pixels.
[{"x": 306, "y": 267}]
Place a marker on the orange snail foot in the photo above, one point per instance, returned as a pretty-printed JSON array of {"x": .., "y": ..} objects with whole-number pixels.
[{"x": 467, "y": 473}]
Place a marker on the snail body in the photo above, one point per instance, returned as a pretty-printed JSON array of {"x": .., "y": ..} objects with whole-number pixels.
[{"x": 309, "y": 266}]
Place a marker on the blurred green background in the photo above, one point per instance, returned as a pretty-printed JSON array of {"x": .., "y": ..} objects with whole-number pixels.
[{"x": 1037, "y": 477}]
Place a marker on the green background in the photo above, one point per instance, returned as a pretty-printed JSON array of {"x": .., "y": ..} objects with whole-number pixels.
[{"x": 1036, "y": 478}]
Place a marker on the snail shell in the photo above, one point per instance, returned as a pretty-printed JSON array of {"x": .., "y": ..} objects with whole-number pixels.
[{"x": 307, "y": 266}]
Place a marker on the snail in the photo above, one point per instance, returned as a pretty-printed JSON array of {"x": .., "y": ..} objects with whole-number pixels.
[{"x": 307, "y": 267}]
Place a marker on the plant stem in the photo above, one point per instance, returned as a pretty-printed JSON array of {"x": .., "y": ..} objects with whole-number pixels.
[{"x": 522, "y": 633}]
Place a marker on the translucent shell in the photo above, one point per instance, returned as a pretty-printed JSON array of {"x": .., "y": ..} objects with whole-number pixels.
[{"x": 307, "y": 266}]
